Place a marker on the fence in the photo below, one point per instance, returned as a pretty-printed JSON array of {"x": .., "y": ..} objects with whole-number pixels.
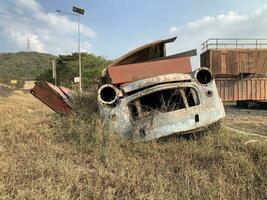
[{"x": 218, "y": 43}]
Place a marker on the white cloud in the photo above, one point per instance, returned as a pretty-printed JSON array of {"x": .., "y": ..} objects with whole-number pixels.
[
  {"x": 61, "y": 23},
  {"x": 173, "y": 30},
  {"x": 28, "y": 4},
  {"x": 20, "y": 38},
  {"x": 231, "y": 24},
  {"x": 48, "y": 32}
]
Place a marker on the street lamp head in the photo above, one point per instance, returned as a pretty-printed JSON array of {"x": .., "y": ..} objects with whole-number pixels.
[
  {"x": 78, "y": 10},
  {"x": 58, "y": 10}
]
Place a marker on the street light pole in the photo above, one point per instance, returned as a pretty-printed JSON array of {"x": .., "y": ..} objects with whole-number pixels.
[
  {"x": 78, "y": 12},
  {"x": 80, "y": 59}
]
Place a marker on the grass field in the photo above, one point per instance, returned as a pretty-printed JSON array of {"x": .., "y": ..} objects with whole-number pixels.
[{"x": 44, "y": 156}]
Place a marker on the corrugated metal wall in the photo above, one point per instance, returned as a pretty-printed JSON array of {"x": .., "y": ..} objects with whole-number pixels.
[{"x": 234, "y": 89}]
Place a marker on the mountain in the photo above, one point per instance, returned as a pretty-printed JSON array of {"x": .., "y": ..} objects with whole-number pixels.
[{"x": 24, "y": 65}]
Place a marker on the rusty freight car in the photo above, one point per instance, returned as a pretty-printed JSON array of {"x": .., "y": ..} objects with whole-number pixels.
[{"x": 240, "y": 68}]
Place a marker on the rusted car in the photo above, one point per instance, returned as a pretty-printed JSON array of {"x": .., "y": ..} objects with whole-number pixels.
[
  {"x": 160, "y": 106},
  {"x": 149, "y": 95},
  {"x": 145, "y": 95}
]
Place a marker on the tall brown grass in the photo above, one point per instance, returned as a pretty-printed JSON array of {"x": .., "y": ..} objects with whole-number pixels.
[{"x": 45, "y": 156}]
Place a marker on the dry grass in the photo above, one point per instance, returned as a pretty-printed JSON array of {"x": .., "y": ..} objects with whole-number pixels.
[{"x": 44, "y": 156}]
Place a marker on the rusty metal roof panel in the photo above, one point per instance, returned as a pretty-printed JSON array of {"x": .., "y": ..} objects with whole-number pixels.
[{"x": 128, "y": 73}]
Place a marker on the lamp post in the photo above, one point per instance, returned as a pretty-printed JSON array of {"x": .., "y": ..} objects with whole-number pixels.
[{"x": 77, "y": 12}]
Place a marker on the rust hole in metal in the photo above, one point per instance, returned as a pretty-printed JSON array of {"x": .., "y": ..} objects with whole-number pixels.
[
  {"x": 142, "y": 132},
  {"x": 113, "y": 116},
  {"x": 209, "y": 93},
  {"x": 196, "y": 118}
]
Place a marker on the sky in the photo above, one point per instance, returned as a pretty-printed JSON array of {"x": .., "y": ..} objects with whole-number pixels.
[{"x": 110, "y": 28}]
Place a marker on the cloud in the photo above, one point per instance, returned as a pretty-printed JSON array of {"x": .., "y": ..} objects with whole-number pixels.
[
  {"x": 173, "y": 30},
  {"x": 28, "y": 5},
  {"x": 230, "y": 24},
  {"x": 48, "y": 32}
]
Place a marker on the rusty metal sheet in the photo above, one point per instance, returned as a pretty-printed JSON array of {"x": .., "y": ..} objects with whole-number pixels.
[
  {"x": 57, "y": 98},
  {"x": 127, "y": 73},
  {"x": 127, "y": 57}
]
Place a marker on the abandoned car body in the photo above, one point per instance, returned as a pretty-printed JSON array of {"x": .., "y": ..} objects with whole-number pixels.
[
  {"x": 160, "y": 106},
  {"x": 147, "y": 95}
]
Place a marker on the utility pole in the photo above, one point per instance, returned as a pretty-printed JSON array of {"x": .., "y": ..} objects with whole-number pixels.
[{"x": 54, "y": 70}]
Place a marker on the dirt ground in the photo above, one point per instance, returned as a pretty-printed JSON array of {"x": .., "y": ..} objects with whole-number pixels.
[{"x": 248, "y": 120}]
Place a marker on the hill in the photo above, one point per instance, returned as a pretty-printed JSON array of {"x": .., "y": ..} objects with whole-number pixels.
[{"x": 24, "y": 65}]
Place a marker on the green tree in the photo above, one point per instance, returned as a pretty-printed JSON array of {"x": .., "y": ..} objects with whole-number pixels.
[{"x": 67, "y": 69}]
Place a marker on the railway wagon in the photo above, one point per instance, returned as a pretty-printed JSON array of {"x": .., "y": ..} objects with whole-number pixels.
[{"x": 240, "y": 68}]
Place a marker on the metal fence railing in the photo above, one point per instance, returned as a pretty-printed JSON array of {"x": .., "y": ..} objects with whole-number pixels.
[{"x": 219, "y": 43}]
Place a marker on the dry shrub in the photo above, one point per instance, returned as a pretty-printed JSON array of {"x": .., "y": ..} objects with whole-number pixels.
[
  {"x": 5, "y": 90},
  {"x": 44, "y": 156}
]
